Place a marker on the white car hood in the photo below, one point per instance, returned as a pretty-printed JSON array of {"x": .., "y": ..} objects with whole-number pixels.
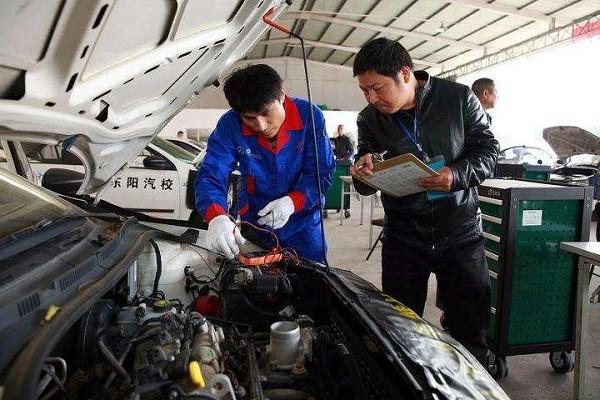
[
  {"x": 103, "y": 77},
  {"x": 568, "y": 141}
]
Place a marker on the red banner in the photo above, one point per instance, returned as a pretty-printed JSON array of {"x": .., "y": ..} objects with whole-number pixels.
[{"x": 586, "y": 30}]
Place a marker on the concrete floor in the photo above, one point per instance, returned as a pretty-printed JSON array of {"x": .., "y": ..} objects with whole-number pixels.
[{"x": 530, "y": 376}]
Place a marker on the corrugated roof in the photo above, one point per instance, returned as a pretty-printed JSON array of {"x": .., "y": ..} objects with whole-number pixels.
[{"x": 440, "y": 35}]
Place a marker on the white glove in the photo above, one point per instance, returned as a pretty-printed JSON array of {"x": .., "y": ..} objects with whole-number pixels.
[
  {"x": 221, "y": 237},
  {"x": 276, "y": 213}
]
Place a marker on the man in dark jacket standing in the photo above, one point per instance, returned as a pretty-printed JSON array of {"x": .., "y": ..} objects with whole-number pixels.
[
  {"x": 443, "y": 124},
  {"x": 344, "y": 148}
]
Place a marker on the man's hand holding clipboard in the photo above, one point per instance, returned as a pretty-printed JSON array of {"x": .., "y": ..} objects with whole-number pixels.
[
  {"x": 419, "y": 178},
  {"x": 441, "y": 183}
]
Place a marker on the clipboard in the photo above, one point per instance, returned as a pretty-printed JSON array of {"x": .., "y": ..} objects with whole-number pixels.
[{"x": 398, "y": 176}]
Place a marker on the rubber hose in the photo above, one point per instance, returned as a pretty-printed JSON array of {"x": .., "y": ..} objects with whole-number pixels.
[
  {"x": 158, "y": 267},
  {"x": 112, "y": 360}
]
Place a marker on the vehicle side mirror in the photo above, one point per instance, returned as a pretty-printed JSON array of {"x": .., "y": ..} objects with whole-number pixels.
[
  {"x": 156, "y": 162},
  {"x": 63, "y": 181}
]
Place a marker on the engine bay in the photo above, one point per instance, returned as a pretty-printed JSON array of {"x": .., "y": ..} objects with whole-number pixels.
[{"x": 208, "y": 328}]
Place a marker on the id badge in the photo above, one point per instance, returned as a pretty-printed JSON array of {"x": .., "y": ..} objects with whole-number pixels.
[{"x": 436, "y": 163}]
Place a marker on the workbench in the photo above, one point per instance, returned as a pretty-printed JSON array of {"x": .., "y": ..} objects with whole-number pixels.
[{"x": 589, "y": 254}]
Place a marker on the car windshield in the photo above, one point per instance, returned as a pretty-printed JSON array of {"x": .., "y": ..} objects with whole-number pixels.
[
  {"x": 23, "y": 205},
  {"x": 187, "y": 146},
  {"x": 512, "y": 153},
  {"x": 174, "y": 150}
]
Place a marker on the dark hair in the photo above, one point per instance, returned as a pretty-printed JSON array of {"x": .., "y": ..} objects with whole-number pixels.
[
  {"x": 253, "y": 88},
  {"x": 384, "y": 56},
  {"x": 482, "y": 84}
]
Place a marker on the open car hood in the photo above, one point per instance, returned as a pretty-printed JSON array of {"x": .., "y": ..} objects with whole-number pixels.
[
  {"x": 568, "y": 141},
  {"x": 103, "y": 77}
]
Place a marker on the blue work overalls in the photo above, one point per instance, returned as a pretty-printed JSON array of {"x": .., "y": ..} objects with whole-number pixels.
[{"x": 270, "y": 173}]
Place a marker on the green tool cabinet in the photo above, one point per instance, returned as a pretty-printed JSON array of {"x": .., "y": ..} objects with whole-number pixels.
[
  {"x": 334, "y": 194},
  {"x": 525, "y": 171},
  {"x": 533, "y": 281}
]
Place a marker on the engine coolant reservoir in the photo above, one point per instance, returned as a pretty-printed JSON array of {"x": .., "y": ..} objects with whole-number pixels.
[{"x": 175, "y": 257}]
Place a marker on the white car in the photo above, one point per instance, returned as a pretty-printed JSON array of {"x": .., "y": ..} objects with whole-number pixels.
[
  {"x": 578, "y": 150},
  {"x": 526, "y": 155},
  {"x": 158, "y": 182}
]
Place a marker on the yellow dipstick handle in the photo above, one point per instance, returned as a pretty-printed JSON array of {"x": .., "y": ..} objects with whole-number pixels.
[
  {"x": 51, "y": 313},
  {"x": 196, "y": 375}
]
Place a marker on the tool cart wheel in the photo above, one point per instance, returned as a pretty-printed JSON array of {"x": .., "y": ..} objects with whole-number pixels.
[
  {"x": 562, "y": 361},
  {"x": 497, "y": 367},
  {"x": 346, "y": 213}
]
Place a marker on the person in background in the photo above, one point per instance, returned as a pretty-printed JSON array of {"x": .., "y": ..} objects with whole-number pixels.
[
  {"x": 270, "y": 136},
  {"x": 443, "y": 124},
  {"x": 344, "y": 147},
  {"x": 485, "y": 90},
  {"x": 180, "y": 135},
  {"x": 332, "y": 142}
]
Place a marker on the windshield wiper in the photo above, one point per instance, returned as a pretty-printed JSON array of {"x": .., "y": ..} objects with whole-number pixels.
[
  {"x": 32, "y": 230},
  {"x": 109, "y": 216}
]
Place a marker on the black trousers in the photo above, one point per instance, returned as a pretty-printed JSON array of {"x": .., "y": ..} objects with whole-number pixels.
[{"x": 463, "y": 283}]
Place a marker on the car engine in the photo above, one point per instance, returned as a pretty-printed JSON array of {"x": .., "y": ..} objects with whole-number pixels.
[{"x": 246, "y": 334}]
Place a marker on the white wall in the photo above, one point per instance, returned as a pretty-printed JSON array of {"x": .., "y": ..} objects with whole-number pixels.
[
  {"x": 331, "y": 85},
  {"x": 205, "y": 120}
]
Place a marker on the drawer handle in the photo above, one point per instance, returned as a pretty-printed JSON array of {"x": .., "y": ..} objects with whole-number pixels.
[
  {"x": 491, "y": 237},
  {"x": 493, "y": 310},
  {"x": 490, "y": 200},
  {"x": 489, "y": 218},
  {"x": 493, "y": 275},
  {"x": 491, "y": 255}
]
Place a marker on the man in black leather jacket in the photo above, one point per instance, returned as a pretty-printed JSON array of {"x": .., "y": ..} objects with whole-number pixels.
[{"x": 442, "y": 123}]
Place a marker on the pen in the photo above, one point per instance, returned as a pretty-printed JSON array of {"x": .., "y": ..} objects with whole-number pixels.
[{"x": 377, "y": 157}]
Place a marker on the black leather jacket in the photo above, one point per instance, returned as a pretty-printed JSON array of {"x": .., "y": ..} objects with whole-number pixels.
[{"x": 451, "y": 122}]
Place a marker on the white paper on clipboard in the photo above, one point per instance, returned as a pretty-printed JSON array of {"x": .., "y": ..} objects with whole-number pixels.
[{"x": 399, "y": 176}]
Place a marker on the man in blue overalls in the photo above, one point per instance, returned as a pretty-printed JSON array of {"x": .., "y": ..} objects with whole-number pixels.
[{"x": 270, "y": 136}]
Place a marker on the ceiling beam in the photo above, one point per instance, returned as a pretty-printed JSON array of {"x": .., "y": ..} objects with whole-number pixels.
[
  {"x": 587, "y": 25},
  {"x": 327, "y": 27},
  {"x": 512, "y": 11},
  {"x": 311, "y": 43},
  {"x": 379, "y": 28},
  {"x": 334, "y": 47}
]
